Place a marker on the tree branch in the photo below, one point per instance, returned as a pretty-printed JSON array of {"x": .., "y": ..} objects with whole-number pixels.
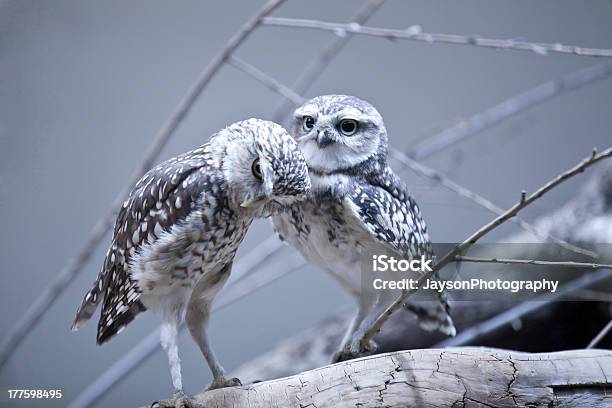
[
  {"x": 479, "y": 200},
  {"x": 415, "y": 33},
  {"x": 600, "y": 335},
  {"x": 508, "y": 108},
  {"x": 472, "y": 239},
  {"x": 314, "y": 70},
  {"x": 265, "y": 79},
  {"x": 563, "y": 264}
]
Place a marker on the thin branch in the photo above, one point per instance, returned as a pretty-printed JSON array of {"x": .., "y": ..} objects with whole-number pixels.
[
  {"x": 472, "y": 239},
  {"x": 473, "y": 333},
  {"x": 444, "y": 181},
  {"x": 314, "y": 70},
  {"x": 510, "y": 107},
  {"x": 33, "y": 315},
  {"x": 600, "y": 336},
  {"x": 561, "y": 264},
  {"x": 416, "y": 33},
  {"x": 265, "y": 79},
  {"x": 236, "y": 290}
]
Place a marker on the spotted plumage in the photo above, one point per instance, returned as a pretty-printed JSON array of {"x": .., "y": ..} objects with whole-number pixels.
[
  {"x": 178, "y": 231},
  {"x": 357, "y": 204}
]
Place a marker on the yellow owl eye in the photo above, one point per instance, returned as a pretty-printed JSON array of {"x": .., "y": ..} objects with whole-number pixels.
[
  {"x": 256, "y": 169},
  {"x": 348, "y": 127},
  {"x": 308, "y": 122}
]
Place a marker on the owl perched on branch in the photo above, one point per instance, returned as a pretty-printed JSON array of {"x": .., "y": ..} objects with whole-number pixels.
[
  {"x": 177, "y": 233},
  {"x": 357, "y": 203}
]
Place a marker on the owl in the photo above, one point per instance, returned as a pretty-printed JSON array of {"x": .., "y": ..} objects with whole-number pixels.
[
  {"x": 176, "y": 235},
  {"x": 357, "y": 205}
]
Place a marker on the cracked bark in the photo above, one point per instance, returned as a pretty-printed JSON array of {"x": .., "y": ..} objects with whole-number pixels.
[{"x": 461, "y": 377}]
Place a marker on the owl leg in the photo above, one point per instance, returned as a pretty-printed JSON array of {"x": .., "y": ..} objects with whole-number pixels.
[
  {"x": 168, "y": 336},
  {"x": 364, "y": 305},
  {"x": 198, "y": 313},
  {"x": 356, "y": 344}
]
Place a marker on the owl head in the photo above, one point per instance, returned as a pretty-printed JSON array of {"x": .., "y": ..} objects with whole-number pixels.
[
  {"x": 339, "y": 132},
  {"x": 263, "y": 166}
]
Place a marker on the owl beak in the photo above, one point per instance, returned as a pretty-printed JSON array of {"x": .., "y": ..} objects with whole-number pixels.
[
  {"x": 323, "y": 139},
  {"x": 248, "y": 203},
  {"x": 251, "y": 202}
]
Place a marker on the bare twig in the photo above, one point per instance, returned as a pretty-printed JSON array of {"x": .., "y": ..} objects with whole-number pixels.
[
  {"x": 482, "y": 202},
  {"x": 472, "y": 239},
  {"x": 265, "y": 79},
  {"x": 323, "y": 59},
  {"x": 600, "y": 336},
  {"x": 472, "y": 334},
  {"x": 561, "y": 264},
  {"x": 32, "y": 316},
  {"x": 416, "y": 33},
  {"x": 510, "y": 107},
  {"x": 236, "y": 290}
]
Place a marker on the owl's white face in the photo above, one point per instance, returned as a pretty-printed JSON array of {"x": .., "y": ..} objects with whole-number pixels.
[
  {"x": 263, "y": 166},
  {"x": 337, "y": 132}
]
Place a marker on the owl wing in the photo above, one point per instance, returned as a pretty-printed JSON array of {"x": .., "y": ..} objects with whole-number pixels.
[
  {"x": 162, "y": 198},
  {"x": 384, "y": 208}
]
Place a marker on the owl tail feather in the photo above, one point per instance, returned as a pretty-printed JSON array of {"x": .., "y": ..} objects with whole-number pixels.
[
  {"x": 88, "y": 305},
  {"x": 433, "y": 315}
]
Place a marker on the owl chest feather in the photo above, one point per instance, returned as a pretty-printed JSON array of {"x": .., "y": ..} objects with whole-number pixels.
[
  {"x": 206, "y": 241},
  {"x": 324, "y": 234}
]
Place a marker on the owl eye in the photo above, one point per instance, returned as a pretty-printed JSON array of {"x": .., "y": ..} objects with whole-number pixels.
[
  {"x": 308, "y": 122},
  {"x": 256, "y": 169},
  {"x": 348, "y": 127}
]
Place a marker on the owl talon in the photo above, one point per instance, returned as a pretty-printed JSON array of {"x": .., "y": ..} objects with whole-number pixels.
[
  {"x": 354, "y": 349},
  {"x": 224, "y": 382},
  {"x": 179, "y": 400},
  {"x": 342, "y": 355},
  {"x": 372, "y": 346}
]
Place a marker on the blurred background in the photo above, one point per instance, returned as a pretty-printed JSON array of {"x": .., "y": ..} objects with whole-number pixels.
[{"x": 84, "y": 87}]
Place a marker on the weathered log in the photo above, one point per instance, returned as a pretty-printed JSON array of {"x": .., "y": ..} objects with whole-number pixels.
[{"x": 459, "y": 377}]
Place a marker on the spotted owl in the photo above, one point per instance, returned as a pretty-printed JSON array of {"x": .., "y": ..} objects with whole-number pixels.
[
  {"x": 357, "y": 204},
  {"x": 178, "y": 231}
]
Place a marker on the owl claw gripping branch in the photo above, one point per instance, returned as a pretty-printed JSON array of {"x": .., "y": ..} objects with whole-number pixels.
[{"x": 177, "y": 233}]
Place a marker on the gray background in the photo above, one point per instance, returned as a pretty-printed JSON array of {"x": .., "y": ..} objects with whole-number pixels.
[{"x": 84, "y": 86}]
